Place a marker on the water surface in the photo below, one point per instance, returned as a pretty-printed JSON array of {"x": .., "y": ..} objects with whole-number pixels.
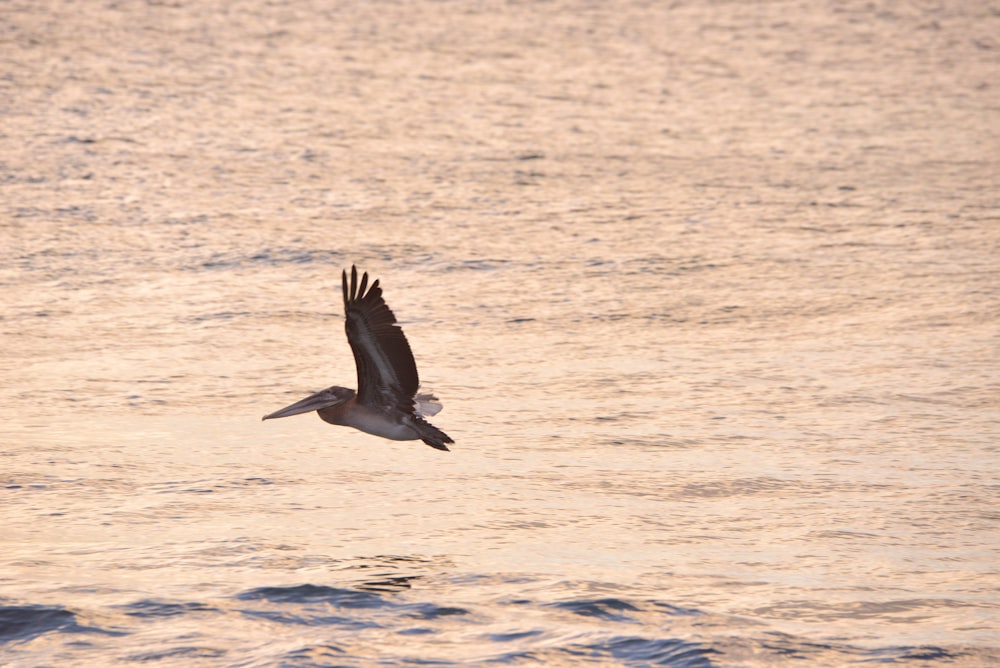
[{"x": 709, "y": 292}]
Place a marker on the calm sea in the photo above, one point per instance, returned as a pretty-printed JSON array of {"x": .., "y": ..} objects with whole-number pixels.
[{"x": 709, "y": 291}]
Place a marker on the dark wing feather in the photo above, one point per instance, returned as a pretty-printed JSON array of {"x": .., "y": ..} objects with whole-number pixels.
[{"x": 387, "y": 372}]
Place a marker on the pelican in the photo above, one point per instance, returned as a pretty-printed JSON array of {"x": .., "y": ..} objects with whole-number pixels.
[{"x": 387, "y": 403}]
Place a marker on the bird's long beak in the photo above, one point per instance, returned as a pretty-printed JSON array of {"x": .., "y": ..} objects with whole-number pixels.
[{"x": 315, "y": 402}]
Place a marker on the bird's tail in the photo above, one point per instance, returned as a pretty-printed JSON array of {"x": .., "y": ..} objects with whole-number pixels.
[{"x": 430, "y": 434}]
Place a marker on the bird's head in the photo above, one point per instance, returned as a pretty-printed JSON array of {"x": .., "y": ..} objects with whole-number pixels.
[{"x": 331, "y": 396}]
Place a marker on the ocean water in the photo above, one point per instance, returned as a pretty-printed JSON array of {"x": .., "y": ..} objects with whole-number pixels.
[{"x": 709, "y": 292}]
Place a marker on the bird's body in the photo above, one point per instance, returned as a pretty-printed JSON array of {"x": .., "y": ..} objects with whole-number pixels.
[{"x": 386, "y": 403}]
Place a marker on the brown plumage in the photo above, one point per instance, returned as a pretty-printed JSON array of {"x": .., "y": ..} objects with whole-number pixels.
[{"x": 387, "y": 402}]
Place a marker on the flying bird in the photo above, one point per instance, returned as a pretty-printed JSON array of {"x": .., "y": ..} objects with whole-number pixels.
[{"x": 387, "y": 403}]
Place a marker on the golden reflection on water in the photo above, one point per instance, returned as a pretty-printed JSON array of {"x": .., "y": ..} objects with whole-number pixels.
[{"x": 707, "y": 292}]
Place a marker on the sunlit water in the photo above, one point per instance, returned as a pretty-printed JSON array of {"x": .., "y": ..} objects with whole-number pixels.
[{"x": 709, "y": 292}]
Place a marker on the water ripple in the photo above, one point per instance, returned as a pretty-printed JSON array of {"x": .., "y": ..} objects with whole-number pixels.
[
  {"x": 23, "y": 622},
  {"x": 310, "y": 593},
  {"x": 20, "y": 622},
  {"x": 151, "y": 609},
  {"x": 610, "y": 609}
]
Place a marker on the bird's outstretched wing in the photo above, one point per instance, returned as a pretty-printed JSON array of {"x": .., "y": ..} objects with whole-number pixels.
[{"x": 387, "y": 373}]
